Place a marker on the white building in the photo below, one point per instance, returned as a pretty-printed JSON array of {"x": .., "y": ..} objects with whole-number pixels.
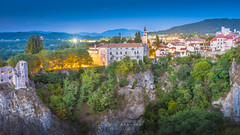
[
  {"x": 162, "y": 51},
  {"x": 224, "y": 32},
  {"x": 17, "y": 76},
  {"x": 105, "y": 54},
  {"x": 221, "y": 43}
]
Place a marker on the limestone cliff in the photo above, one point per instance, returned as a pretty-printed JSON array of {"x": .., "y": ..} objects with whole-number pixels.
[
  {"x": 230, "y": 105},
  {"x": 127, "y": 120},
  {"x": 22, "y": 112}
]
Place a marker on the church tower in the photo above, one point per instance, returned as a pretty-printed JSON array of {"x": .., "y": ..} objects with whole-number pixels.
[{"x": 144, "y": 37}]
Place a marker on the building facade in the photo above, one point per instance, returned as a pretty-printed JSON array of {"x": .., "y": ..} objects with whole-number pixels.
[
  {"x": 103, "y": 55},
  {"x": 144, "y": 37},
  {"x": 221, "y": 43},
  {"x": 17, "y": 76}
]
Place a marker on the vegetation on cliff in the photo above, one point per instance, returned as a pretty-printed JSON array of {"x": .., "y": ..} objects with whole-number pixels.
[{"x": 193, "y": 83}]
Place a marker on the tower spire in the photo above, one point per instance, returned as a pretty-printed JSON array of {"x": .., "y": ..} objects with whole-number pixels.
[{"x": 144, "y": 37}]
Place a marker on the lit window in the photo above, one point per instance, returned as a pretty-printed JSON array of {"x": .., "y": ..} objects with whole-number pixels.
[
  {"x": 9, "y": 72},
  {"x": 2, "y": 72}
]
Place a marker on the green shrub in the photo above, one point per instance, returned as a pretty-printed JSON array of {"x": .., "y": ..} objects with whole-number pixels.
[
  {"x": 123, "y": 82},
  {"x": 134, "y": 83}
]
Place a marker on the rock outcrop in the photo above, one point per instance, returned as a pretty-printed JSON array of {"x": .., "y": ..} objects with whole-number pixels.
[
  {"x": 230, "y": 105},
  {"x": 129, "y": 119},
  {"x": 22, "y": 112}
]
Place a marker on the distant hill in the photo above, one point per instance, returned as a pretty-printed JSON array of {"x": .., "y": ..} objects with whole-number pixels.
[
  {"x": 46, "y": 35},
  {"x": 206, "y": 26},
  {"x": 112, "y": 33},
  {"x": 67, "y": 36}
]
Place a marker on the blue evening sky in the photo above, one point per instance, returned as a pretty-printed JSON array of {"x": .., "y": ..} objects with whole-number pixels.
[{"x": 100, "y": 15}]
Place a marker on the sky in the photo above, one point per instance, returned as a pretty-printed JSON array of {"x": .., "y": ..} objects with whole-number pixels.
[{"x": 75, "y": 16}]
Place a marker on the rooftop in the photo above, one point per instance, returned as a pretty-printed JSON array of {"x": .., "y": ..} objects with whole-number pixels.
[{"x": 121, "y": 45}]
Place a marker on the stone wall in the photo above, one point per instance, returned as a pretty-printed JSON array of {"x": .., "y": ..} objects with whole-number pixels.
[{"x": 17, "y": 76}]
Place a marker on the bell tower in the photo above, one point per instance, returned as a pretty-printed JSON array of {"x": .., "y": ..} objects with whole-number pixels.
[{"x": 144, "y": 37}]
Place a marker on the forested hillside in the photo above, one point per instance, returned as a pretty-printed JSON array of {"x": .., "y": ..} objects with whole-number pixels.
[{"x": 206, "y": 26}]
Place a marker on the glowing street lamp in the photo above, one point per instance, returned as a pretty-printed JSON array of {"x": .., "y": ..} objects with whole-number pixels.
[{"x": 74, "y": 40}]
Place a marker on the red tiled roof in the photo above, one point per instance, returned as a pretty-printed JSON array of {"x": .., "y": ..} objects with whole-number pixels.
[
  {"x": 121, "y": 45},
  {"x": 216, "y": 37},
  {"x": 172, "y": 48},
  {"x": 183, "y": 49}
]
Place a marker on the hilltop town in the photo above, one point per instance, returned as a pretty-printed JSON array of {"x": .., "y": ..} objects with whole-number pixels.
[{"x": 223, "y": 40}]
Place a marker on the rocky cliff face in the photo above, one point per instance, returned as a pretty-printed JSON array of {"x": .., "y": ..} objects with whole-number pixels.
[
  {"x": 230, "y": 105},
  {"x": 129, "y": 119},
  {"x": 22, "y": 112}
]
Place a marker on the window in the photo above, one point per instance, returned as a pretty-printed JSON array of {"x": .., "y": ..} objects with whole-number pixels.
[
  {"x": 9, "y": 72},
  {"x": 126, "y": 48},
  {"x": 132, "y": 48},
  {"x": 116, "y": 52},
  {"x": 120, "y": 52},
  {"x": 110, "y": 53},
  {"x": 2, "y": 72},
  {"x": 125, "y": 52},
  {"x": 1, "y": 80},
  {"x": 116, "y": 58}
]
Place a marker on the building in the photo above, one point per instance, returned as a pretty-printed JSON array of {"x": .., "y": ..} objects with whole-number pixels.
[
  {"x": 221, "y": 43},
  {"x": 194, "y": 41},
  {"x": 162, "y": 51},
  {"x": 17, "y": 76},
  {"x": 144, "y": 37},
  {"x": 224, "y": 32},
  {"x": 103, "y": 55}
]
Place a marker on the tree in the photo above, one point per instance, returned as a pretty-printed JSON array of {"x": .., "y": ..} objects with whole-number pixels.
[
  {"x": 210, "y": 38},
  {"x": 1, "y": 63},
  {"x": 34, "y": 45},
  {"x": 196, "y": 122},
  {"x": 64, "y": 59},
  {"x": 30, "y": 45},
  {"x": 32, "y": 60},
  {"x": 115, "y": 39},
  {"x": 64, "y": 45},
  {"x": 137, "y": 38},
  {"x": 157, "y": 43},
  {"x": 200, "y": 70},
  {"x": 90, "y": 79},
  {"x": 184, "y": 72},
  {"x": 69, "y": 95},
  {"x": 39, "y": 44}
]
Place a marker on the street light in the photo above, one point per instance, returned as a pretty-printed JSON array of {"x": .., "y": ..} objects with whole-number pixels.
[{"x": 74, "y": 40}]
